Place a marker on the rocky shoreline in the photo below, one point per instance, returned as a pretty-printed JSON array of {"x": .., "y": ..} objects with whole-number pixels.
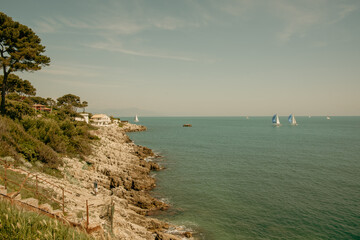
[{"x": 123, "y": 175}]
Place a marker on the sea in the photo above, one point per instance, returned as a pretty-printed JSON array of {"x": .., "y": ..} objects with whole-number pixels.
[{"x": 237, "y": 178}]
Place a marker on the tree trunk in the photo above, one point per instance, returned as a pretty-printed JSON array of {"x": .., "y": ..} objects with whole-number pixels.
[{"x": 3, "y": 92}]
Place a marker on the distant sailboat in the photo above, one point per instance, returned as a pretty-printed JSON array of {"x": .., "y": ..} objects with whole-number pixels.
[
  {"x": 327, "y": 117},
  {"x": 275, "y": 120},
  {"x": 292, "y": 120},
  {"x": 136, "y": 119}
]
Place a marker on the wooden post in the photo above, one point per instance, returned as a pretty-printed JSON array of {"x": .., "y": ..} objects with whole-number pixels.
[
  {"x": 112, "y": 215},
  {"x": 37, "y": 186},
  {"x": 63, "y": 201},
  {"x": 5, "y": 166},
  {"x": 87, "y": 215}
]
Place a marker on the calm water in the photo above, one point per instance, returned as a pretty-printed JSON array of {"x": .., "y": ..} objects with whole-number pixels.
[{"x": 237, "y": 178}]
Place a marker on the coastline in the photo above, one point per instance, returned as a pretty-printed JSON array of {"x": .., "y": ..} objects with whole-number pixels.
[{"x": 122, "y": 173}]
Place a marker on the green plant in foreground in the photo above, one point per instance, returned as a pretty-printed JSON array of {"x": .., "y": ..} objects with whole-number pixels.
[
  {"x": 43, "y": 197},
  {"x": 18, "y": 224}
]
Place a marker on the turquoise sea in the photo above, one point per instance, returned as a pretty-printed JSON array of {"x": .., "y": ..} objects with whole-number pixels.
[{"x": 238, "y": 178}]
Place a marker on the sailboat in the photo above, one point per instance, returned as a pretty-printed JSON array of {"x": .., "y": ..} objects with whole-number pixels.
[
  {"x": 292, "y": 120},
  {"x": 275, "y": 120},
  {"x": 327, "y": 117},
  {"x": 136, "y": 119}
]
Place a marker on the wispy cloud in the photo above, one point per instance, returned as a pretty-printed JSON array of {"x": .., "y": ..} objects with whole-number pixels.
[
  {"x": 297, "y": 17},
  {"x": 344, "y": 11},
  {"x": 297, "y": 20},
  {"x": 300, "y": 17},
  {"x": 117, "y": 47},
  {"x": 61, "y": 23},
  {"x": 237, "y": 7},
  {"x": 73, "y": 70},
  {"x": 113, "y": 24}
]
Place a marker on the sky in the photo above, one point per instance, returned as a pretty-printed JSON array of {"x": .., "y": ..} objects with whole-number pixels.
[{"x": 198, "y": 58}]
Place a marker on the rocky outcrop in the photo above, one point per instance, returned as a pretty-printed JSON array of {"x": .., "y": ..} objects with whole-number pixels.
[
  {"x": 122, "y": 171},
  {"x": 128, "y": 127}
]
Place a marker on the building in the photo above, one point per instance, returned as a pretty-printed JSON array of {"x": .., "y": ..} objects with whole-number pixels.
[
  {"x": 84, "y": 118},
  {"x": 40, "y": 107},
  {"x": 100, "y": 120}
]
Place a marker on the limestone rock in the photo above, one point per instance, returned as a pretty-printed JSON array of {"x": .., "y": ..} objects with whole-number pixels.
[{"x": 122, "y": 173}]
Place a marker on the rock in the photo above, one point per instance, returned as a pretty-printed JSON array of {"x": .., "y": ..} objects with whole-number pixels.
[
  {"x": 154, "y": 166},
  {"x": 187, "y": 234},
  {"x": 128, "y": 127},
  {"x": 39, "y": 164},
  {"x": 123, "y": 177},
  {"x": 165, "y": 236},
  {"x": 8, "y": 159}
]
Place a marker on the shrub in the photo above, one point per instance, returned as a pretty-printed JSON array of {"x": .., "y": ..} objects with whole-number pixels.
[
  {"x": 17, "y": 140},
  {"x": 16, "y": 109},
  {"x": 63, "y": 136},
  {"x": 18, "y": 224}
]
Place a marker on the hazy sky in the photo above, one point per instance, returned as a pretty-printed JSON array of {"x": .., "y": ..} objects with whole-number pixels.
[{"x": 205, "y": 57}]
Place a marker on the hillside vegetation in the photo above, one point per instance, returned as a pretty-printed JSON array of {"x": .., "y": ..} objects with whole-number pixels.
[
  {"x": 19, "y": 224},
  {"x": 43, "y": 137}
]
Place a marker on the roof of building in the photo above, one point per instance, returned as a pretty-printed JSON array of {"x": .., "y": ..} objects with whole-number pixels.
[{"x": 99, "y": 116}]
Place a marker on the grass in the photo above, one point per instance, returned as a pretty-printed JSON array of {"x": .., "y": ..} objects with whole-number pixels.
[
  {"x": 18, "y": 224},
  {"x": 29, "y": 184}
]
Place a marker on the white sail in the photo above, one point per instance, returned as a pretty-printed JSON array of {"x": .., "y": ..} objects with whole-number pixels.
[
  {"x": 292, "y": 119},
  {"x": 136, "y": 118},
  {"x": 275, "y": 120}
]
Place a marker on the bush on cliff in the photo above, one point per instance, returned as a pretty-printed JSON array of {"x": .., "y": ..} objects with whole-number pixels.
[
  {"x": 63, "y": 136},
  {"x": 19, "y": 224},
  {"x": 41, "y": 135},
  {"x": 16, "y": 142},
  {"x": 17, "y": 109}
]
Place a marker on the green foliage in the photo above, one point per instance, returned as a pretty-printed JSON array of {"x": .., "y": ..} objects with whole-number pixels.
[
  {"x": 18, "y": 143},
  {"x": 17, "y": 109},
  {"x": 47, "y": 131},
  {"x": 62, "y": 135},
  {"x": 69, "y": 99},
  {"x": 20, "y": 50},
  {"x": 29, "y": 189},
  {"x": 17, "y": 85},
  {"x": 13, "y": 96},
  {"x": 73, "y": 101},
  {"x": 38, "y": 100},
  {"x": 18, "y": 224},
  {"x": 50, "y": 102},
  {"x": 84, "y": 104}
]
